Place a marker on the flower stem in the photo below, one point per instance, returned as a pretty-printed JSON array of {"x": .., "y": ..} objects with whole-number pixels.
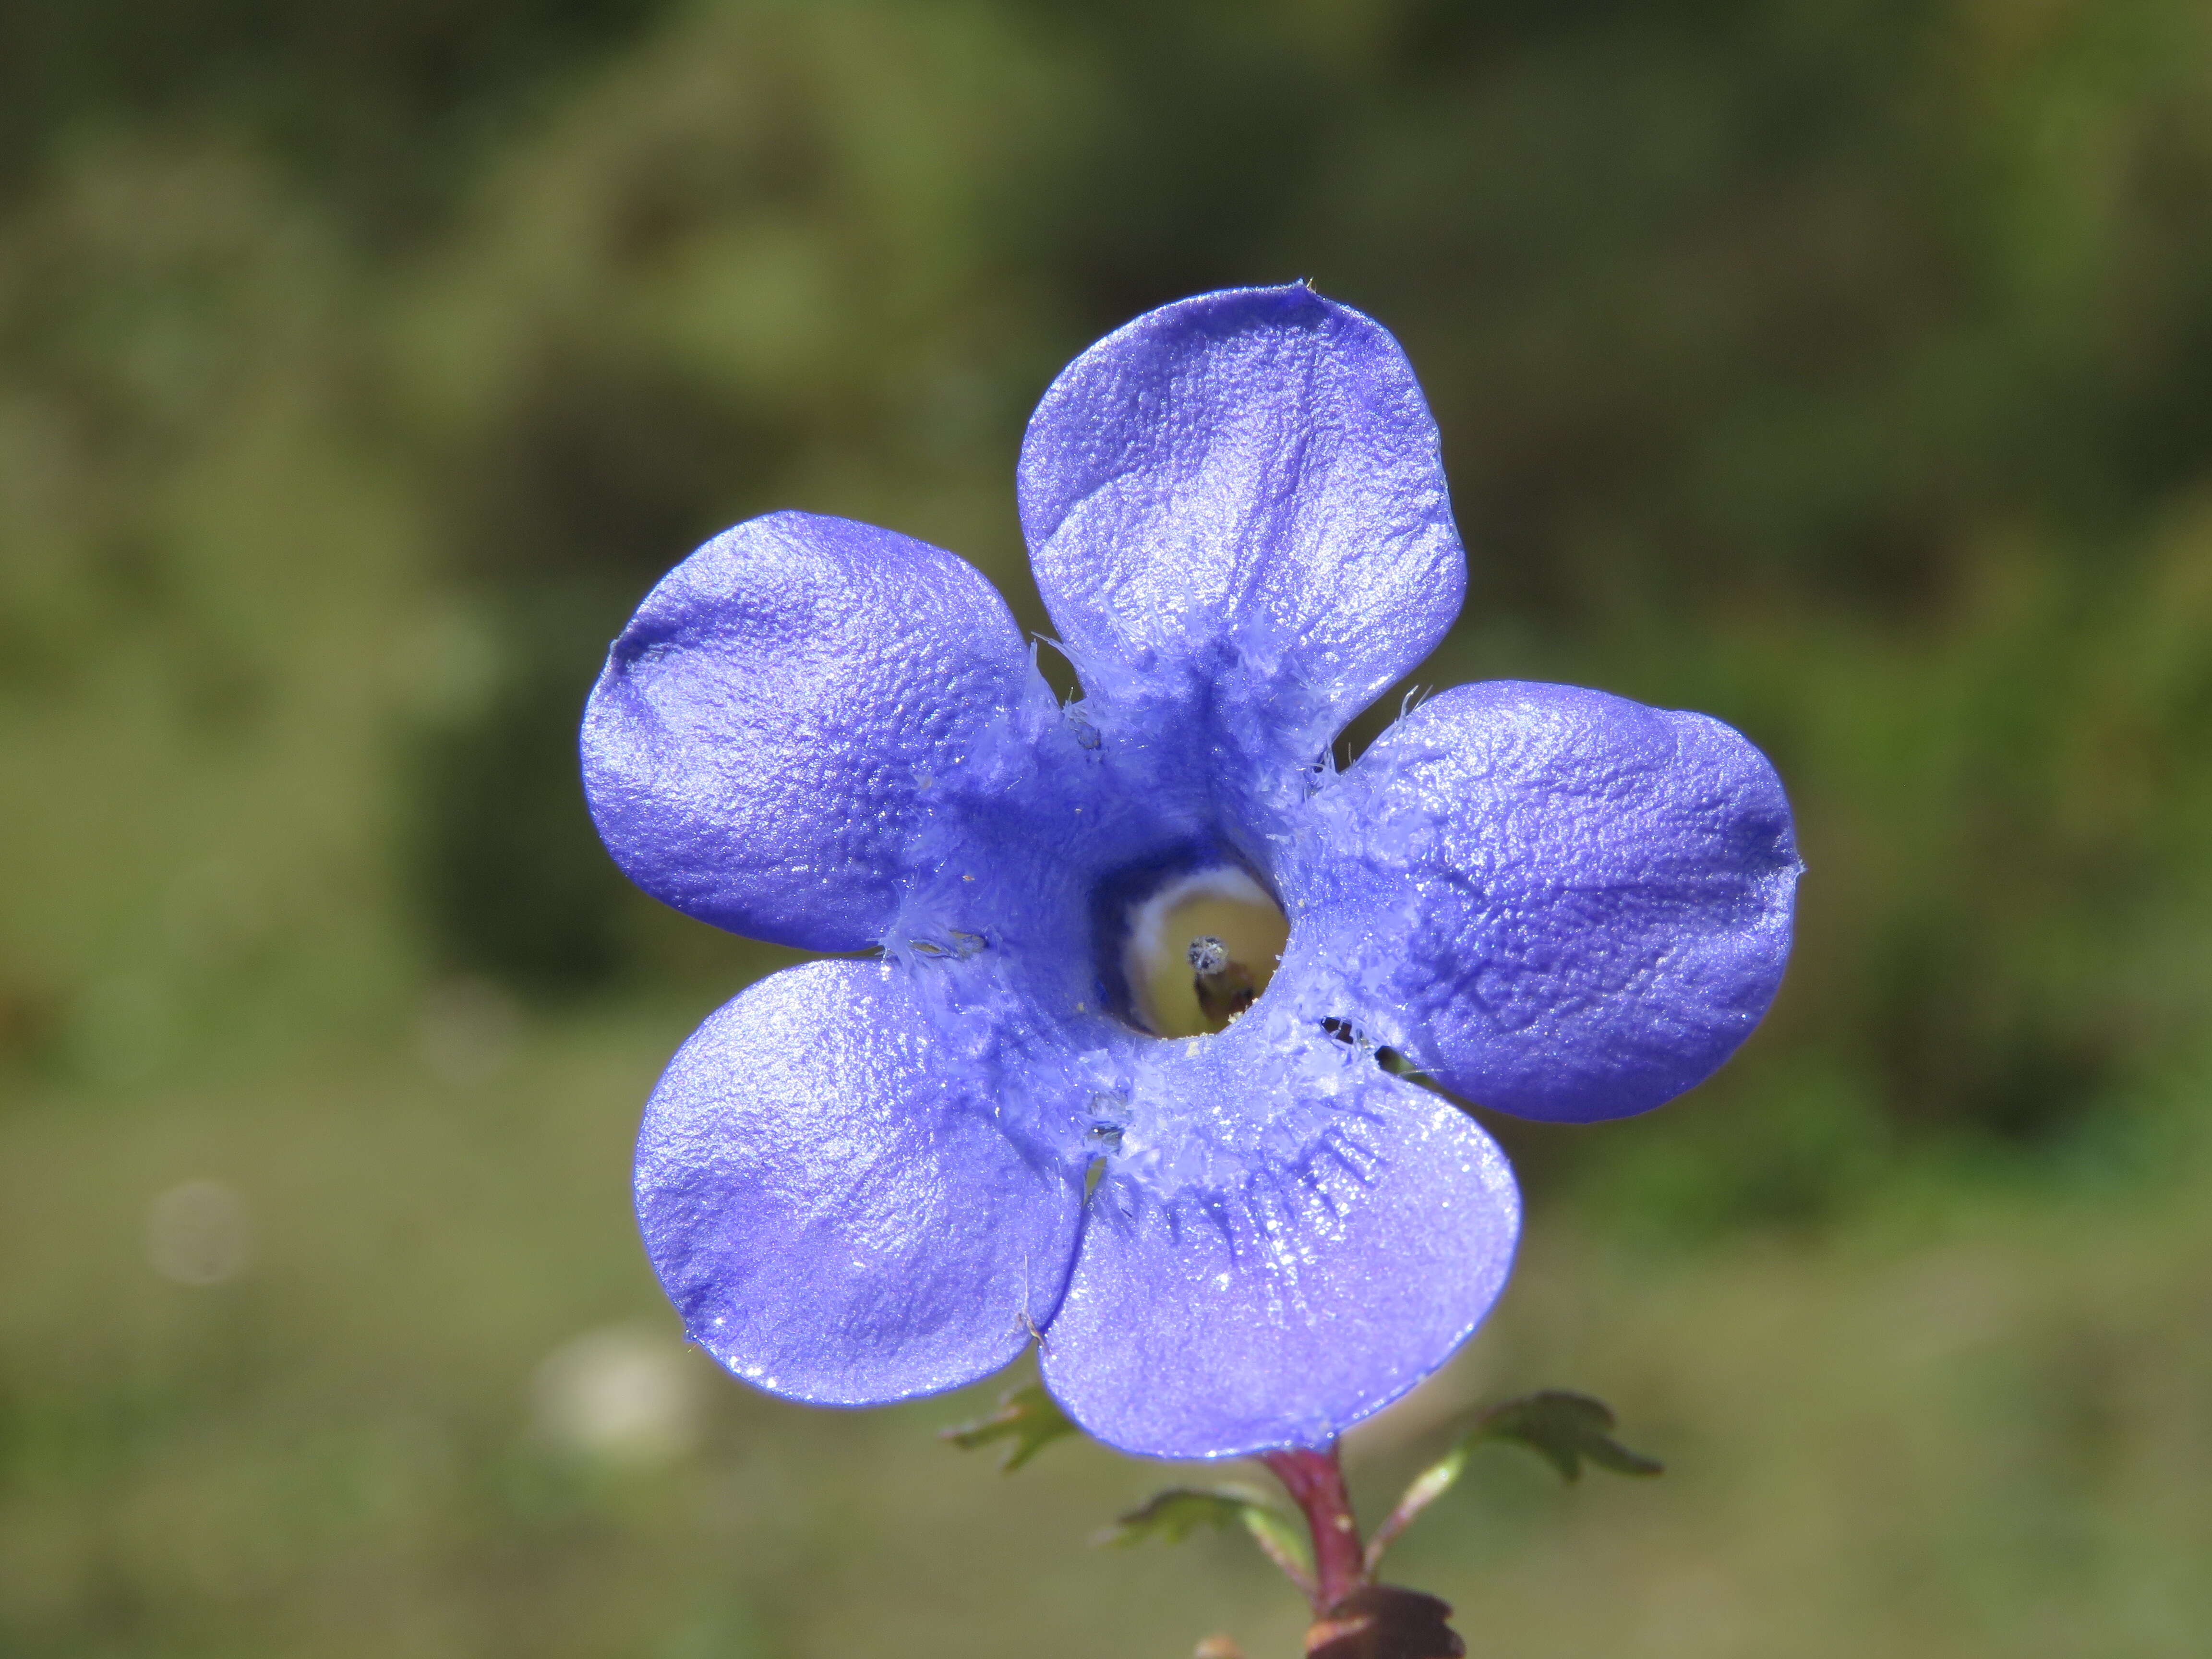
[{"x": 1315, "y": 1480}]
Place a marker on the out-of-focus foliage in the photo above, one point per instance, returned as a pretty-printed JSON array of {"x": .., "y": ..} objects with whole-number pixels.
[
  {"x": 1843, "y": 368},
  {"x": 387, "y": 106}
]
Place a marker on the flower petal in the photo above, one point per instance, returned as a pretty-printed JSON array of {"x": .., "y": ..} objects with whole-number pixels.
[
  {"x": 764, "y": 739},
  {"x": 1562, "y": 903},
  {"x": 838, "y": 1213},
  {"x": 1280, "y": 1298},
  {"x": 1242, "y": 494}
]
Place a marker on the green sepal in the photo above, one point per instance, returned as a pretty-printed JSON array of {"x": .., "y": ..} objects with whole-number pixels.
[
  {"x": 1172, "y": 1515},
  {"x": 1028, "y": 1418}
]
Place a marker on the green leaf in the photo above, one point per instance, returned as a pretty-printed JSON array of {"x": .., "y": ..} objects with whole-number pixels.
[
  {"x": 1172, "y": 1515},
  {"x": 1280, "y": 1540},
  {"x": 1422, "y": 1490},
  {"x": 1563, "y": 1429},
  {"x": 1028, "y": 1418}
]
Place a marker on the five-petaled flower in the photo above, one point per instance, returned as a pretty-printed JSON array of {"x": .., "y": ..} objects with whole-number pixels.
[{"x": 866, "y": 1180}]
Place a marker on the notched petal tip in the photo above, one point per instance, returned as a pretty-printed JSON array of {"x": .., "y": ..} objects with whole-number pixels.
[{"x": 763, "y": 738}]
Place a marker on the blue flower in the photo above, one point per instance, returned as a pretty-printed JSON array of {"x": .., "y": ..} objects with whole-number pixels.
[{"x": 866, "y": 1180}]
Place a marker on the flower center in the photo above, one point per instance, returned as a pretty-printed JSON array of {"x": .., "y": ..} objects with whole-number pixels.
[{"x": 1200, "y": 949}]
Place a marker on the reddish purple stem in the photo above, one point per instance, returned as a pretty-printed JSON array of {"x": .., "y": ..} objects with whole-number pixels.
[{"x": 1315, "y": 1480}]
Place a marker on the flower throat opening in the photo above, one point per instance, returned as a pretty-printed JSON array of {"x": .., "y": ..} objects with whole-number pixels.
[{"x": 1200, "y": 949}]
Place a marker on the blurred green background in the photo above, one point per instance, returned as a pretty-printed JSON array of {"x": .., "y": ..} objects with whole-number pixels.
[{"x": 1841, "y": 368}]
